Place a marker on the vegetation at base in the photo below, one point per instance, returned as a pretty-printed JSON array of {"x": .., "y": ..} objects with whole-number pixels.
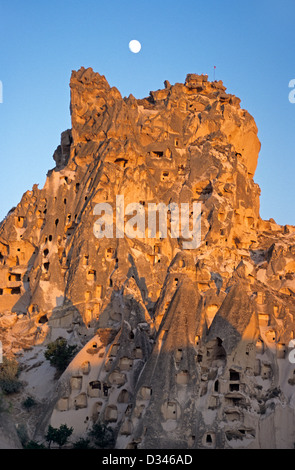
[
  {"x": 58, "y": 435},
  {"x": 60, "y": 354},
  {"x": 100, "y": 436},
  {"x": 82, "y": 444},
  {"x": 34, "y": 445},
  {"x": 103, "y": 436},
  {"x": 28, "y": 403},
  {"x": 9, "y": 373}
]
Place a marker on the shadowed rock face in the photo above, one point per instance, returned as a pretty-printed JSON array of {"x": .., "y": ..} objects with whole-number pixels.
[{"x": 179, "y": 348}]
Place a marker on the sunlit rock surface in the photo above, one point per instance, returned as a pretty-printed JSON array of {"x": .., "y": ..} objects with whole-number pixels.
[{"x": 178, "y": 348}]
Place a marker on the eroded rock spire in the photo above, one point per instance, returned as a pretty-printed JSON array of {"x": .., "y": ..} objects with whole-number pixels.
[{"x": 177, "y": 348}]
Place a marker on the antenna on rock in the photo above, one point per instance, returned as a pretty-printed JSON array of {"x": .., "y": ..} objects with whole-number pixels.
[{"x": 214, "y": 72}]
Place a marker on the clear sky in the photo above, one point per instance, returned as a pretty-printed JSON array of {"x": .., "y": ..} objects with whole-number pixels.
[{"x": 250, "y": 42}]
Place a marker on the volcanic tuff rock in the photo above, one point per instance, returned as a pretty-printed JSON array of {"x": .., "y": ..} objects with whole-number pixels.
[{"x": 178, "y": 348}]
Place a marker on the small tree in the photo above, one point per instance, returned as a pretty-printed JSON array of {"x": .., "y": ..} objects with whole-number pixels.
[
  {"x": 60, "y": 354},
  {"x": 63, "y": 434},
  {"x": 58, "y": 435},
  {"x": 28, "y": 403},
  {"x": 103, "y": 435},
  {"x": 51, "y": 435}
]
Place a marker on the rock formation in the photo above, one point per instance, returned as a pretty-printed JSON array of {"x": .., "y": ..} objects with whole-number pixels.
[{"x": 178, "y": 348}]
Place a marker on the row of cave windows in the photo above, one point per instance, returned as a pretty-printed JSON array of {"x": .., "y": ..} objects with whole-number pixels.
[
  {"x": 164, "y": 177},
  {"x": 153, "y": 153},
  {"x": 208, "y": 440},
  {"x": 111, "y": 415},
  {"x": 165, "y": 174},
  {"x": 21, "y": 219},
  {"x": 181, "y": 378},
  {"x": 10, "y": 291},
  {"x": 110, "y": 252},
  {"x": 19, "y": 257},
  {"x": 170, "y": 411},
  {"x": 91, "y": 276},
  {"x": 14, "y": 277}
]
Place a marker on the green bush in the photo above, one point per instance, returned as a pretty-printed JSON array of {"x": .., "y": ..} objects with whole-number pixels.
[
  {"x": 28, "y": 403},
  {"x": 82, "y": 444},
  {"x": 9, "y": 372},
  {"x": 58, "y": 435},
  {"x": 60, "y": 354},
  {"x": 103, "y": 436}
]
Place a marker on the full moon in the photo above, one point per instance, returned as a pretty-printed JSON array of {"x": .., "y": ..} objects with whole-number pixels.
[{"x": 134, "y": 46}]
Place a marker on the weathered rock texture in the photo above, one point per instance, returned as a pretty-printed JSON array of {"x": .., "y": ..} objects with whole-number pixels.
[{"x": 178, "y": 348}]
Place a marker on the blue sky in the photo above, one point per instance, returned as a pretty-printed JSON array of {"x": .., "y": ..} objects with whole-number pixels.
[{"x": 251, "y": 43}]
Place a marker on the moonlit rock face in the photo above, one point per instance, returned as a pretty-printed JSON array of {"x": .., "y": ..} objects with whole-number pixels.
[{"x": 134, "y": 46}]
